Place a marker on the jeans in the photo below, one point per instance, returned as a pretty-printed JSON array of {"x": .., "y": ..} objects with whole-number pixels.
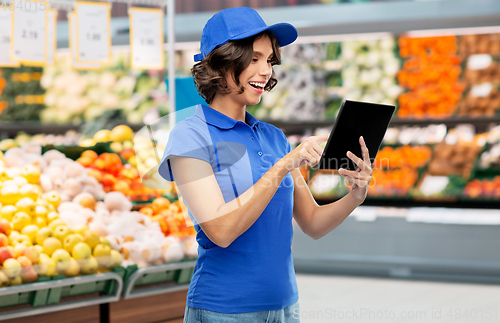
[{"x": 289, "y": 314}]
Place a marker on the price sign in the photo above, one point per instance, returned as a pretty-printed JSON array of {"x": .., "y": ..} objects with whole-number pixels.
[
  {"x": 146, "y": 38},
  {"x": 73, "y": 50},
  {"x": 5, "y": 39},
  {"x": 51, "y": 37},
  {"x": 93, "y": 32},
  {"x": 29, "y": 35}
]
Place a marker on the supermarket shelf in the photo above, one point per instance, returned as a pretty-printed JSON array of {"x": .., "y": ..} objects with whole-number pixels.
[
  {"x": 55, "y": 285},
  {"x": 10, "y": 129},
  {"x": 338, "y": 19},
  {"x": 130, "y": 291},
  {"x": 394, "y": 247}
]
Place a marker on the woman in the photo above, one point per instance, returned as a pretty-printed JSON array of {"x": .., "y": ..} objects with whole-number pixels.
[{"x": 239, "y": 179}]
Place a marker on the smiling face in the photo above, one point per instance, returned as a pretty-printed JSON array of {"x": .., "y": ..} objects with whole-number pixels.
[{"x": 254, "y": 77}]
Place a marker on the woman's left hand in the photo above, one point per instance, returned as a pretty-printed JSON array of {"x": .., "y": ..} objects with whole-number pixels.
[{"x": 359, "y": 179}]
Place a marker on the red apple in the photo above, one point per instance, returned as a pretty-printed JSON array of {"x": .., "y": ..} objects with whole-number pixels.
[
  {"x": 5, "y": 227},
  {"x": 4, "y": 241},
  {"x": 5, "y": 254}
]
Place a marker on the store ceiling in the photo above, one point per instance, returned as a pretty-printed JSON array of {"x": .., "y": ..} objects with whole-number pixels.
[{"x": 337, "y": 19}]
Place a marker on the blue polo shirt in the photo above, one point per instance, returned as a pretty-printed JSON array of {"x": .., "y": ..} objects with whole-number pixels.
[{"x": 255, "y": 272}]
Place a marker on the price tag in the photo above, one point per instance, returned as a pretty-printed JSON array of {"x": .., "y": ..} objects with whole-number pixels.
[
  {"x": 72, "y": 45},
  {"x": 51, "y": 37},
  {"x": 146, "y": 38},
  {"x": 5, "y": 39},
  {"x": 29, "y": 35},
  {"x": 93, "y": 32}
]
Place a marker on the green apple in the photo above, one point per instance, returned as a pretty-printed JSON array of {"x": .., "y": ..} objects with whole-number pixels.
[
  {"x": 81, "y": 251},
  {"x": 71, "y": 240},
  {"x": 116, "y": 259},
  {"x": 30, "y": 231},
  {"x": 43, "y": 234},
  {"x": 73, "y": 268},
  {"x": 26, "y": 205},
  {"x": 52, "y": 216},
  {"x": 55, "y": 223},
  {"x": 20, "y": 220},
  {"x": 81, "y": 228},
  {"x": 105, "y": 241},
  {"x": 46, "y": 267},
  {"x": 39, "y": 248},
  {"x": 88, "y": 266},
  {"x": 50, "y": 245},
  {"x": 61, "y": 232},
  {"x": 39, "y": 222},
  {"x": 102, "y": 254},
  {"x": 11, "y": 268},
  {"x": 22, "y": 239},
  {"x": 41, "y": 211},
  {"x": 53, "y": 198},
  {"x": 61, "y": 258},
  {"x": 4, "y": 280},
  {"x": 91, "y": 238},
  {"x": 16, "y": 281},
  {"x": 7, "y": 212}
]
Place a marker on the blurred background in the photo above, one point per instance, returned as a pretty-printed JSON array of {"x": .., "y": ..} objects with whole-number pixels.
[{"x": 424, "y": 245}]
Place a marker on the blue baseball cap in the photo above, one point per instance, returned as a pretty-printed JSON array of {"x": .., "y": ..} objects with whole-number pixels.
[{"x": 239, "y": 23}]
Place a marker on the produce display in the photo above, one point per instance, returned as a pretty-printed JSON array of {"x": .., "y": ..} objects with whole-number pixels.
[
  {"x": 430, "y": 73},
  {"x": 21, "y": 96},
  {"x": 483, "y": 189}
]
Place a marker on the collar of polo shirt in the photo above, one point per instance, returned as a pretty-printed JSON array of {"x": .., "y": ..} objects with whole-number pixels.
[{"x": 220, "y": 120}]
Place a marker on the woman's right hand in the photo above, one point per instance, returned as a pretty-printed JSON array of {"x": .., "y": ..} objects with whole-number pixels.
[{"x": 307, "y": 153}]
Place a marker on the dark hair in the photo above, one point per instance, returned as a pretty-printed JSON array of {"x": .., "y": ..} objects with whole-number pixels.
[{"x": 232, "y": 57}]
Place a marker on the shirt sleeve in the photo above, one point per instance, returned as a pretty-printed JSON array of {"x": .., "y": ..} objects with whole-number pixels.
[{"x": 185, "y": 141}]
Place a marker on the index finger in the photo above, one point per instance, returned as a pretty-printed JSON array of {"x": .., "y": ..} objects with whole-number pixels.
[
  {"x": 321, "y": 139},
  {"x": 364, "y": 151}
]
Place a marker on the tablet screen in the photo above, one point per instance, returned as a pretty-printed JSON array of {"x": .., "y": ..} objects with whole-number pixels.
[{"x": 355, "y": 119}]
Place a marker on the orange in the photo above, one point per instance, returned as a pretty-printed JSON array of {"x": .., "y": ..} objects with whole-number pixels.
[
  {"x": 90, "y": 154},
  {"x": 146, "y": 210},
  {"x": 85, "y": 161},
  {"x": 87, "y": 202},
  {"x": 159, "y": 204},
  {"x": 97, "y": 174}
]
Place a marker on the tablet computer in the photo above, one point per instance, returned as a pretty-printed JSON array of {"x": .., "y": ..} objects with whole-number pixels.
[{"x": 355, "y": 119}]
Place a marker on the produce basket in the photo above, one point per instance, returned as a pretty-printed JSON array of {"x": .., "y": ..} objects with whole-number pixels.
[
  {"x": 153, "y": 280},
  {"x": 58, "y": 294}
]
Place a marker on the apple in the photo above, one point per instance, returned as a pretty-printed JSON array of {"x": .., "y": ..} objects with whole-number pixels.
[
  {"x": 102, "y": 254},
  {"x": 61, "y": 232},
  {"x": 43, "y": 234},
  {"x": 5, "y": 254},
  {"x": 20, "y": 220},
  {"x": 19, "y": 250},
  {"x": 51, "y": 216},
  {"x": 81, "y": 251},
  {"x": 46, "y": 267},
  {"x": 26, "y": 205},
  {"x": 9, "y": 193},
  {"x": 91, "y": 238},
  {"x": 105, "y": 241},
  {"x": 31, "y": 173},
  {"x": 16, "y": 281},
  {"x": 7, "y": 212},
  {"x": 71, "y": 240},
  {"x": 5, "y": 227},
  {"x": 55, "y": 223},
  {"x": 40, "y": 222},
  {"x": 12, "y": 235},
  {"x": 4, "y": 241},
  {"x": 24, "y": 261},
  {"x": 39, "y": 248},
  {"x": 28, "y": 274},
  {"x": 41, "y": 211},
  {"x": 81, "y": 228},
  {"x": 61, "y": 258},
  {"x": 29, "y": 191},
  {"x": 88, "y": 266},
  {"x": 30, "y": 231},
  {"x": 32, "y": 253},
  {"x": 50, "y": 245},
  {"x": 116, "y": 259},
  {"x": 73, "y": 268},
  {"x": 53, "y": 198},
  {"x": 4, "y": 280},
  {"x": 22, "y": 239},
  {"x": 11, "y": 268}
]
